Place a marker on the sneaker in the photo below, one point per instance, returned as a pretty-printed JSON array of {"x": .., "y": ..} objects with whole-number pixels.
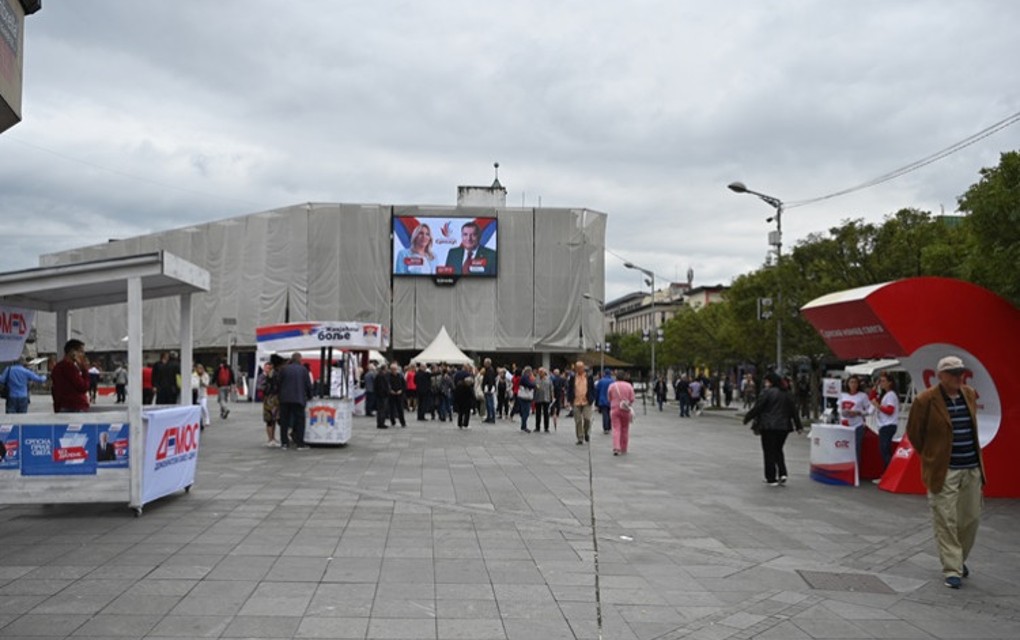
[
  {"x": 953, "y": 582},
  {"x": 616, "y": 453},
  {"x": 580, "y": 442},
  {"x": 587, "y": 438},
  {"x": 966, "y": 572},
  {"x": 226, "y": 414},
  {"x": 782, "y": 479},
  {"x": 302, "y": 447},
  {"x": 284, "y": 447},
  {"x": 771, "y": 483}
]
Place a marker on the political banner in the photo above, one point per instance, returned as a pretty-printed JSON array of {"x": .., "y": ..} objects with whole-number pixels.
[
  {"x": 298, "y": 336},
  {"x": 112, "y": 446},
  {"x": 329, "y": 421},
  {"x": 833, "y": 455},
  {"x": 15, "y": 324},
  {"x": 171, "y": 450},
  {"x": 58, "y": 449},
  {"x": 9, "y": 446}
]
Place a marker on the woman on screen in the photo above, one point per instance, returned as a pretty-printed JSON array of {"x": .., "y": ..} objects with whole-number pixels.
[{"x": 418, "y": 258}]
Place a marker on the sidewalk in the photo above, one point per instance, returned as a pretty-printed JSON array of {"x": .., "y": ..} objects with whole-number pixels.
[{"x": 431, "y": 532}]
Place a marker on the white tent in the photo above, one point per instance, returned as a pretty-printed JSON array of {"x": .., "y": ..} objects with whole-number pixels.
[{"x": 442, "y": 349}]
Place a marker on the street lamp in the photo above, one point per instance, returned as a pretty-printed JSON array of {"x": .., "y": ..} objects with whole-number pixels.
[
  {"x": 654, "y": 331},
  {"x": 602, "y": 345},
  {"x": 776, "y": 240}
]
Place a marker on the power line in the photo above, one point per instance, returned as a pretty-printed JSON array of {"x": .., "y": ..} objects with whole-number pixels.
[{"x": 918, "y": 164}]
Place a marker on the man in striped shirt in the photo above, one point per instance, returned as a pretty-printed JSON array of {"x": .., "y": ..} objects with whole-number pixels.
[{"x": 943, "y": 429}]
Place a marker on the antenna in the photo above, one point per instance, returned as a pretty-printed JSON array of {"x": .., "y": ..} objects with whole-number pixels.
[{"x": 495, "y": 165}]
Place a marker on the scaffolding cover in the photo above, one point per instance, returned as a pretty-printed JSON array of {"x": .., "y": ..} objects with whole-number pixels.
[{"x": 319, "y": 260}]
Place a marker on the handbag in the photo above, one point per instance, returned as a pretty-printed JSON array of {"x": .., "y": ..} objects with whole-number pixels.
[
  {"x": 755, "y": 429},
  {"x": 524, "y": 393}
]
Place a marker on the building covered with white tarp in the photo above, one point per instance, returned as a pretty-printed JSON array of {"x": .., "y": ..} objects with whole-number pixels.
[{"x": 319, "y": 262}]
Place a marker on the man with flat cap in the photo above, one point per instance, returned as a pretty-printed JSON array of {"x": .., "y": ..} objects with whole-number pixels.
[{"x": 943, "y": 429}]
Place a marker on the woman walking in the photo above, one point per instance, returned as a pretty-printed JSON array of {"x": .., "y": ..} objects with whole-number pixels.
[
  {"x": 775, "y": 416},
  {"x": 464, "y": 401},
  {"x": 621, "y": 413},
  {"x": 201, "y": 377},
  {"x": 543, "y": 398},
  {"x": 270, "y": 387},
  {"x": 525, "y": 396}
]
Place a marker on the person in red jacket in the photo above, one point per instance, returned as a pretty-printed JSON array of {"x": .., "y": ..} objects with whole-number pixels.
[{"x": 70, "y": 382}]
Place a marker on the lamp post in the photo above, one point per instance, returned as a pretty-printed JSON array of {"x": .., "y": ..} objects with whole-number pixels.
[
  {"x": 776, "y": 240},
  {"x": 602, "y": 345},
  {"x": 653, "y": 334}
]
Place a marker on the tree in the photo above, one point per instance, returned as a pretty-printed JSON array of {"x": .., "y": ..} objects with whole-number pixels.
[{"x": 993, "y": 205}]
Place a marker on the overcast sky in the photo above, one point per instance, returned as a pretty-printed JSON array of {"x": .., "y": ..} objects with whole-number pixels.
[{"x": 141, "y": 116}]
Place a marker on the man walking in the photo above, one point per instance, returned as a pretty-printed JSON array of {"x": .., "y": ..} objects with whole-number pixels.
[
  {"x": 943, "y": 429},
  {"x": 16, "y": 378},
  {"x": 580, "y": 396},
  {"x": 164, "y": 378},
  {"x": 397, "y": 385},
  {"x": 423, "y": 381},
  {"x": 224, "y": 383},
  {"x": 295, "y": 390},
  {"x": 489, "y": 389},
  {"x": 381, "y": 390}
]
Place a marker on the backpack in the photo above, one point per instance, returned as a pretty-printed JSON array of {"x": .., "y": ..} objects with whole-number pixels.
[{"x": 223, "y": 377}]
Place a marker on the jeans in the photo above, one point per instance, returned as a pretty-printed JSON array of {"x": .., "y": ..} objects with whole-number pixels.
[
  {"x": 490, "y": 407},
  {"x": 524, "y": 408},
  {"x": 885, "y": 443},
  {"x": 121, "y": 392},
  {"x": 17, "y": 405},
  {"x": 369, "y": 404},
  {"x": 685, "y": 405},
  {"x": 772, "y": 449},
  {"x": 292, "y": 417},
  {"x": 222, "y": 396},
  {"x": 607, "y": 423}
]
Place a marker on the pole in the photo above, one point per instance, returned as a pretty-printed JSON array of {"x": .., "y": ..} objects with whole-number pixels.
[
  {"x": 779, "y": 289},
  {"x": 655, "y": 329}
]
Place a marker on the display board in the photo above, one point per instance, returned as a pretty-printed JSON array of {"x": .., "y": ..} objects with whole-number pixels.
[{"x": 445, "y": 246}]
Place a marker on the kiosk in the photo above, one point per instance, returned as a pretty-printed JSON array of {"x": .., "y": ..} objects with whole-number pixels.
[
  {"x": 134, "y": 455},
  {"x": 329, "y": 348},
  {"x": 918, "y": 321}
]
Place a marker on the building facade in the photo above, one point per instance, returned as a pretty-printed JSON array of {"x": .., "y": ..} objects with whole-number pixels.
[{"x": 332, "y": 261}]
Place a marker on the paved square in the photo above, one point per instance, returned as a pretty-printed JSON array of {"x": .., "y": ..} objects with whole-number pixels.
[{"x": 435, "y": 532}]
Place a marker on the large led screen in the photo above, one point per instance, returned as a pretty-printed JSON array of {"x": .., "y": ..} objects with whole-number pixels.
[{"x": 434, "y": 246}]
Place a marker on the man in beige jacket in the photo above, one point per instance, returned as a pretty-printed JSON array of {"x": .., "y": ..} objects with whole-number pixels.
[{"x": 943, "y": 429}]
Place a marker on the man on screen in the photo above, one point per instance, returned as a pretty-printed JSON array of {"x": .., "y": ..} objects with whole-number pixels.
[{"x": 469, "y": 257}]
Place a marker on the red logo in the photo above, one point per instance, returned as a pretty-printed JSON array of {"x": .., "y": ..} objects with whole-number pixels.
[
  {"x": 13, "y": 323},
  {"x": 842, "y": 444},
  {"x": 445, "y": 229},
  {"x": 177, "y": 441}
]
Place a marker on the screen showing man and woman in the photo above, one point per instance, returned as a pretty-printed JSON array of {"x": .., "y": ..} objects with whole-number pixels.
[{"x": 433, "y": 246}]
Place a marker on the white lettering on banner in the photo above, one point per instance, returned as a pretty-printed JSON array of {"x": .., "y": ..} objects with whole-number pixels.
[
  {"x": 853, "y": 332},
  {"x": 172, "y": 442}
]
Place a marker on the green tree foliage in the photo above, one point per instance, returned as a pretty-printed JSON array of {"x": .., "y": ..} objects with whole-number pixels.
[{"x": 991, "y": 253}]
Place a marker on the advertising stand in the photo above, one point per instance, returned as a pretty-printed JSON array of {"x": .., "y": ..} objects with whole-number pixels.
[
  {"x": 329, "y": 415},
  {"x": 131, "y": 455},
  {"x": 919, "y": 321}
]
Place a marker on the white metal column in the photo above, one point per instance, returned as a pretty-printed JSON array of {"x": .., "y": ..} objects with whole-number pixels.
[{"x": 136, "y": 455}]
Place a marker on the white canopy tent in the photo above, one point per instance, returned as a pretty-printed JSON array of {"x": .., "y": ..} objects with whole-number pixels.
[{"x": 442, "y": 350}]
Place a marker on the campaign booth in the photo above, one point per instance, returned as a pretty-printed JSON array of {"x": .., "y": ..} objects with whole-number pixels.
[
  {"x": 132, "y": 454},
  {"x": 918, "y": 321},
  {"x": 334, "y": 352}
]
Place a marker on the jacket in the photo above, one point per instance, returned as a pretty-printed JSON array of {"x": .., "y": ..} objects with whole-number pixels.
[
  {"x": 775, "y": 411},
  {"x": 295, "y": 384},
  {"x": 931, "y": 434},
  {"x": 570, "y": 389}
]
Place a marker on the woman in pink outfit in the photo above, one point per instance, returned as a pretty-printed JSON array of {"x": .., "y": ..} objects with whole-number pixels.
[{"x": 621, "y": 401}]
